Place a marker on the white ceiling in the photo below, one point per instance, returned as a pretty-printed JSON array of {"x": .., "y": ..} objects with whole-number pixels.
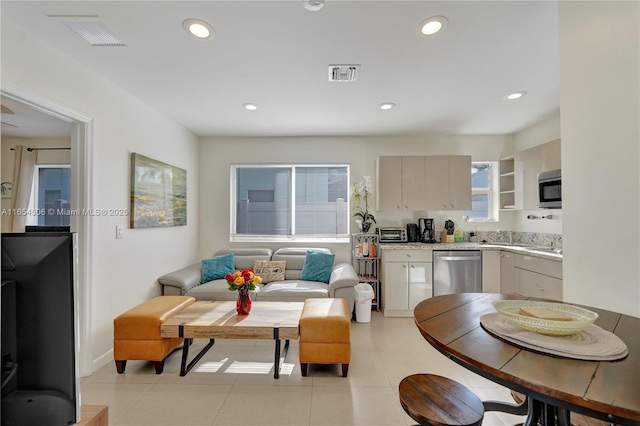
[
  {"x": 276, "y": 54},
  {"x": 27, "y": 122}
]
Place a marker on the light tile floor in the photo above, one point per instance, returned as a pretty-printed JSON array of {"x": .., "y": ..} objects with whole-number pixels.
[{"x": 233, "y": 384}]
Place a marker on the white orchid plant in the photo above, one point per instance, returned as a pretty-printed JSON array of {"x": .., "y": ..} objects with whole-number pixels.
[{"x": 360, "y": 192}]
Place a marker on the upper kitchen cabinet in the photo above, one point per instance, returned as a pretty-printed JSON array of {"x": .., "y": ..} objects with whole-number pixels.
[
  {"x": 401, "y": 183},
  {"x": 551, "y": 156},
  {"x": 389, "y": 183},
  {"x": 423, "y": 182},
  {"x": 528, "y": 164},
  {"x": 413, "y": 178},
  {"x": 508, "y": 184},
  {"x": 448, "y": 182}
]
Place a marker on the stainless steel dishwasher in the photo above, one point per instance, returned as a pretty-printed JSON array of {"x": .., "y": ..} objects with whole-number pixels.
[{"x": 458, "y": 271}]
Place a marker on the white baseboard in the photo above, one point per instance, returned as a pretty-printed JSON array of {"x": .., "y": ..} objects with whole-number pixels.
[{"x": 103, "y": 360}]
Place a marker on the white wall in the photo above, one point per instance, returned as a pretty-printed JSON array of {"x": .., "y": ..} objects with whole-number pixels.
[
  {"x": 216, "y": 154},
  {"x": 125, "y": 270},
  {"x": 546, "y": 131},
  {"x": 599, "y": 69}
]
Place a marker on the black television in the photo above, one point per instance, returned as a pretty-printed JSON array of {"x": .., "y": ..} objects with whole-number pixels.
[{"x": 39, "y": 352}]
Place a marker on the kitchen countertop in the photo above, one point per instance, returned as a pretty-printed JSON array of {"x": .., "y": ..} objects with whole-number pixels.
[{"x": 542, "y": 252}]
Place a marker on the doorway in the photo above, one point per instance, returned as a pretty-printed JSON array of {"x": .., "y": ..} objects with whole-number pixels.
[{"x": 81, "y": 179}]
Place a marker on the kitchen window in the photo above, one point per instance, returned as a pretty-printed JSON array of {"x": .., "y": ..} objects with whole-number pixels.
[
  {"x": 289, "y": 203},
  {"x": 50, "y": 199},
  {"x": 483, "y": 202}
]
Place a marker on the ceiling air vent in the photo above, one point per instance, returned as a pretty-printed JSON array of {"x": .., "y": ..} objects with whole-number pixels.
[
  {"x": 91, "y": 29},
  {"x": 343, "y": 73}
]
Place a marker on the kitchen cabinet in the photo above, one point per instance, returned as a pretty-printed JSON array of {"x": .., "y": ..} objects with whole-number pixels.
[
  {"x": 507, "y": 272},
  {"x": 413, "y": 187},
  {"x": 389, "y": 183},
  {"x": 551, "y": 156},
  {"x": 537, "y": 277},
  {"x": 400, "y": 182},
  {"x": 413, "y": 183},
  {"x": 406, "y": 280},
  {"x": 508, "y": 184},
  {"x": 367, "y": 267},
  {"x": 491, "y": 272},
  {"x": 528, "y": 164},
  {"x": 448, "y": 182}
]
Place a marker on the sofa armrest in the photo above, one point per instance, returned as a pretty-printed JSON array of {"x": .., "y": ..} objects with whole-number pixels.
[
  {"x": 183, "y": 279},
  {"x": 343, "y": 275}
]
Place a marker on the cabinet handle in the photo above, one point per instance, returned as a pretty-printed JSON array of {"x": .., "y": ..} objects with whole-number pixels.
[
  {"x": 405, "y": 206},
  {"x": 408, "y": 255},
  {"x": 398, "y": 207},
  {"x": 540, "y": 289},
  {"x": 412, "y": 266},
  {"x": 404, "y": 266}
]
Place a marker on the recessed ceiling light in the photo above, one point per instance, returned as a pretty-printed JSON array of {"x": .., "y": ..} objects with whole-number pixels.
[
  {"x": 433, "y": 25},
  {"x": 250, "y": 107},
  {"x": 387, "y": 105},
  {"x": 515, "y": 95},
  {"x": 313, "y": 5},
  {"x": 198, "y": 28}
]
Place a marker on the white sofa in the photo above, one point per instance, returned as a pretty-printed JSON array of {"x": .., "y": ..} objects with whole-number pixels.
[{"x": 187, "y": 281}]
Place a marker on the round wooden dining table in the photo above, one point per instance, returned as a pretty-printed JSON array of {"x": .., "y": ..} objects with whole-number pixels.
[{"x": 554, "y": 386}]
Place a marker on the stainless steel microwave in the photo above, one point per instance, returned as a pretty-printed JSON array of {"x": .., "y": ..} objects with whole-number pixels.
[
  {"x": 550, "y": 189},
  {"x": 392, "y": 235}
]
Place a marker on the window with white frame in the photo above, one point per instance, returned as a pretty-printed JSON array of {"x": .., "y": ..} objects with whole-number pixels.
[
  {"x": 50, "y": 199},
  {"x": 483, "y": 201},
  {"x": 289, "y": 202}
]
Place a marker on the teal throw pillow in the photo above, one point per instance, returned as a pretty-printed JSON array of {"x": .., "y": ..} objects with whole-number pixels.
[
  {"x": 317, "y": 266},
  {"x": 215, "y": 268}
]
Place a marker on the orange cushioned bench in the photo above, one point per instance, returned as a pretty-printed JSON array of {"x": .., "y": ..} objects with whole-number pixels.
[
  {"x": 136, "y": 333},
  {"x": 325, "y": 334}
]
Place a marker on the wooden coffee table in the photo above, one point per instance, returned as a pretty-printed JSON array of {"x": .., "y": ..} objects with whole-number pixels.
[{"x": 208, "y": 320}]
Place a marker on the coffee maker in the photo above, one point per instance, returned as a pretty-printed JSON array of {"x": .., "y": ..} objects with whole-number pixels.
[{"x": 427, "y": 231}]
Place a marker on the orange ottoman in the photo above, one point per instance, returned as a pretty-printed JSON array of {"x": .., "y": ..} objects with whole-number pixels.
[
  {"x": 325, "y": 334},
  {"x": 136, "y": 333}
]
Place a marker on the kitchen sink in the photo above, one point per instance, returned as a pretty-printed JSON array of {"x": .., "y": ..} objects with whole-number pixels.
[
  {"x": 547, "y": 249},
  {"x": 539, "y": 249}
]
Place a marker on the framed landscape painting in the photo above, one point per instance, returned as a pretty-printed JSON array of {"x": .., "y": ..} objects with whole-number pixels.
[{"x": 158, "y": 193}]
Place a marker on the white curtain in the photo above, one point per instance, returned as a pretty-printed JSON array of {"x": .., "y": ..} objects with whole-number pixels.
[{"x": 24, "y": 165}]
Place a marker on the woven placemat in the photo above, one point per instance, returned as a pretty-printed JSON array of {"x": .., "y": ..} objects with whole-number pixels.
[{"x": 592, "y": 344}]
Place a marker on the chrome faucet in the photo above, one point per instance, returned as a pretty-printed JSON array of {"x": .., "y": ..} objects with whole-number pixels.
[{"x": 499, "y": 232}]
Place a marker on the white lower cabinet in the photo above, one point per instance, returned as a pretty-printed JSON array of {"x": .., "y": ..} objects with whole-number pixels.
[
  {"x": 536, "y": 277},
  {"x": 407, "y": 279},
  {"x": 507, "y": 272},
  {"x": 420, "y": 283},
  {"x": 540, "y": 286},
  {"x": 490, "y": 271}
]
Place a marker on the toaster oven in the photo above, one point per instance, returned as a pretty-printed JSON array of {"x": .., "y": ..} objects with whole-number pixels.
[{"x": 392, "y": 235}]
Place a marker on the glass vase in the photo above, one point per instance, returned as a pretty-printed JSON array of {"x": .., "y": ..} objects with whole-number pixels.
[{"x": 243, "y": 304}]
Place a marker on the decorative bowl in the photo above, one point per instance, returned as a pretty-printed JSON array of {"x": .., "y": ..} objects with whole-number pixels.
[{"x": 580, "y": 318}]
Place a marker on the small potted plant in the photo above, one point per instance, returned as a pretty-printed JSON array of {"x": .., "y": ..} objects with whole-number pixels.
[{"x": 360, "y": 192}]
